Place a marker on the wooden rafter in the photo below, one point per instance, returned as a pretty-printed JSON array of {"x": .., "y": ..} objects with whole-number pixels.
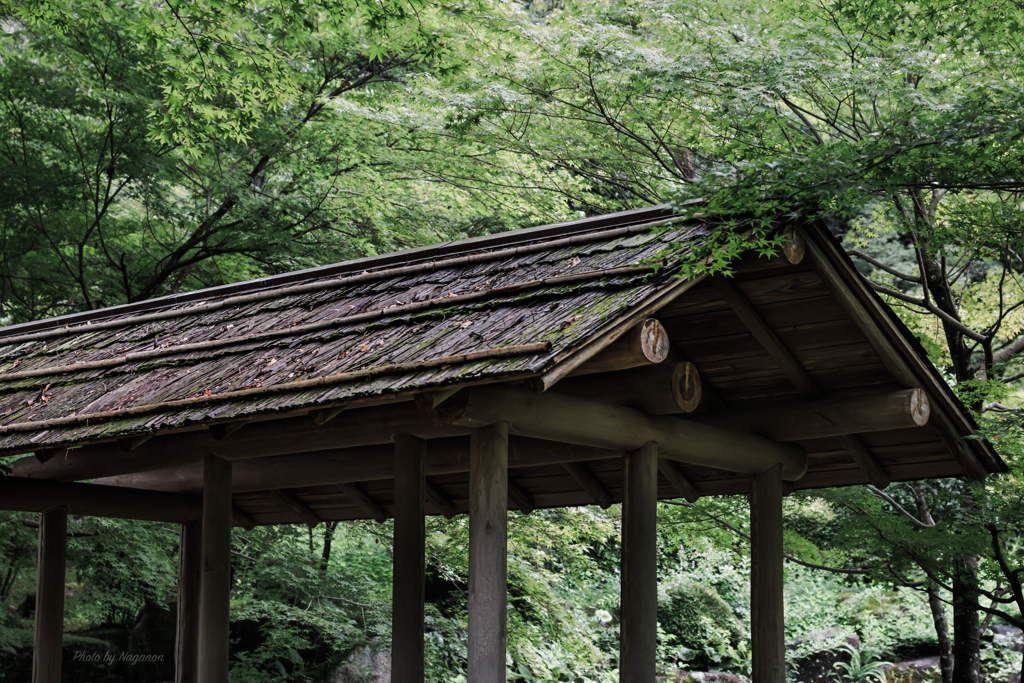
[
  {"x": 794, "y": 370},
  {"x": 292, "y": 502},
  {"x": 589, "y": 483}
]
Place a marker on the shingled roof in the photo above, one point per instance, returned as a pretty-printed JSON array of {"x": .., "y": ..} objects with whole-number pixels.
[
  {"x": 354, "y": 331},
  {"x": 134, "y": 389}
]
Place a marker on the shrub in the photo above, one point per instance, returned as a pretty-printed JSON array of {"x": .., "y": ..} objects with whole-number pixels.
[{"x": 700, "y": 620}]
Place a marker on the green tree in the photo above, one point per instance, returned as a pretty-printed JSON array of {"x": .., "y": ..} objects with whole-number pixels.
[
  {"x": 901, "y": 121},
  {"x": 155, "y": 147}
]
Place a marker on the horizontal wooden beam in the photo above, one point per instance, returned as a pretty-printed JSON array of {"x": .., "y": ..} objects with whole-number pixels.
[
  {"x": 353, "y": 465},
  {"x": 259, "y": 439},
  {"x": 645, "y": 344},
  {"x": 93, "y": 500},
  {"x": 827, "y": 418},
  {"x": 814, "y": 419},
  {"x": 661, "y": 389},
  {"x": 591, "y": 423}
]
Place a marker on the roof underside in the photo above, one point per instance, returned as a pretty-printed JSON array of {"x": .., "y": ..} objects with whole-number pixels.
[{"x": 521, "y": 310}]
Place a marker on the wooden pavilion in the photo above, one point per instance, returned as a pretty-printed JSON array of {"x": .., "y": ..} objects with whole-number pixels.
[{"x": 554, "y": 366}]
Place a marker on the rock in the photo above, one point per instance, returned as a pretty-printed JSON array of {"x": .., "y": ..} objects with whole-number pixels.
[
  {"x": 708, "y": 677},
  {"x": 1009, "y": 637},
  {"x": 364, "y": 666},
  {"x": 819, "y": 667},
  {"x": 922, "y": 670}
]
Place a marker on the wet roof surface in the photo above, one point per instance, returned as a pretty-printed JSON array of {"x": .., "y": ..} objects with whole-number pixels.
[{"x": 559, "y": 291}]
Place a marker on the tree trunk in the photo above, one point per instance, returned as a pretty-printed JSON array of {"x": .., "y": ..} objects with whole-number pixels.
[
  {"x": 934, "y": 597},
  {"x": 325, "y": 556},
  {"x": 966, "y": 626},
  {"x": 942, "y": 632}
]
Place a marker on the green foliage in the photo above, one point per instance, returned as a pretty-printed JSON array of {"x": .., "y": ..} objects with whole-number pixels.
[
  {"x": 999, "y": 662},
  {"x": 702, "y": 622},
  {"x": 120, "y": 567},
  {"x": 151, "y": 148},
  {"x": 309, "y": 621},
  {"x": 858, "y": 669},
  {"x": 154, "y": 147}
]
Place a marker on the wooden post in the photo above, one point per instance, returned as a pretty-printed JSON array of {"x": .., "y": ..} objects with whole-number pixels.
[
  {"x": 409, "y": 572},
  {"x": 639, "y": 576},
  {"x": 190, "y": 569},
  {"x": 215, "y": 584},
  {"x": 766, "y": 601},
  {"x": 488, "y": 507},
  {"x": 49, "y": 634}
]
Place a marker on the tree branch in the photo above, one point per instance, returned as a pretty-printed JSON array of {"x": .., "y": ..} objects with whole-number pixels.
[
  {"x": 966, "y": 331},
  {"x": 882, "y": 266},
  {"x": 878, "y": 493}
]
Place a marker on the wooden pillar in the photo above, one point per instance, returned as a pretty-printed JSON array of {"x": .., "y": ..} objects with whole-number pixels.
[
  {"x": 638, "y": 631},
  {"x": 49, "y": 633},
  {"x": 190, "y": 569},
  {"x": 766, "y": 602},
  {"x": 215, "y": 583},
  {"x": 488, "y": 507},
  {"x": 409, "y": 561}
]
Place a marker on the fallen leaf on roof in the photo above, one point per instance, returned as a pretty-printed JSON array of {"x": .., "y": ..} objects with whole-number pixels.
[{"x": 568, "y": 321}]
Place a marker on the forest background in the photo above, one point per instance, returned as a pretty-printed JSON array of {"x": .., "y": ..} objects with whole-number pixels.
[{"x": 149, "y": 147}]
